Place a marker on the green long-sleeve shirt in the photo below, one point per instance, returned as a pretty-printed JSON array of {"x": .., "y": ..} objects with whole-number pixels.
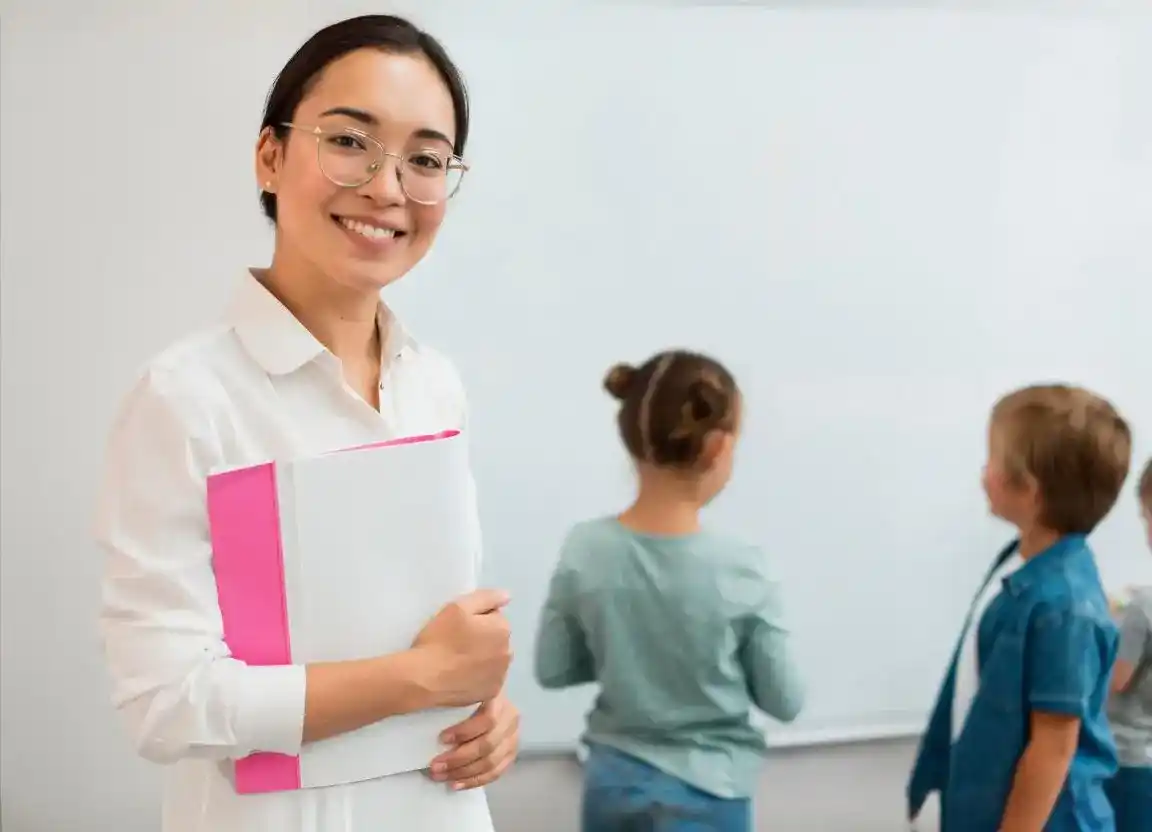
[{"x": 685, "y": 635}]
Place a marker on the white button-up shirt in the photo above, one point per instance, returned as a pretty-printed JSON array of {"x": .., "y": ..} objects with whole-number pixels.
[{"x": 257, "y": 388}]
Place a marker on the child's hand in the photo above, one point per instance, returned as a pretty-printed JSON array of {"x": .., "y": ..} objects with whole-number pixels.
[{"x": 1120, "y": 600}]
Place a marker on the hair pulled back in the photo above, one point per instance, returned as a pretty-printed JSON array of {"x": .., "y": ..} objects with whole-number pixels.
[
  {"x": 670, "y": 404},
  {"x": 385, "y": 32}
]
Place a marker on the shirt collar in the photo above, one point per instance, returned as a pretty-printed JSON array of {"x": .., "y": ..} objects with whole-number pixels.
[
  {"x": 1052, "y": 558},
  {"x": 279, "y": 343}
]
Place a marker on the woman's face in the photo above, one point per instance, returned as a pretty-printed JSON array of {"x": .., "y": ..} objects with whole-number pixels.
[{"x": 401, "y": 101}]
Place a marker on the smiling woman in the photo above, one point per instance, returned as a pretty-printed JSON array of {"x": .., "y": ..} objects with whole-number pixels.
[
  {"x": 368, "y": 190},
  {"x": 360, "y": 150}
]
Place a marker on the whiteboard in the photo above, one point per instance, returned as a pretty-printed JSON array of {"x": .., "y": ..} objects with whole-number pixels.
[
  {"x": 880, "y": 222},
  {"x": 898, "y": 233}
]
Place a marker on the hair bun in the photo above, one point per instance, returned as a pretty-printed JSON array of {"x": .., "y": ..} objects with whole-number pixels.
[
  {"x": 707, "y": 400},
  {"x": 620, "y": 381},
  {"x": 704, "y": 406}
]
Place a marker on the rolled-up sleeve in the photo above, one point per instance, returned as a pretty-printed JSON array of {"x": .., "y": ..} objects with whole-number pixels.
[
  {"x": 1066, "y": 653},
  {"x": 173, "y": 678}
]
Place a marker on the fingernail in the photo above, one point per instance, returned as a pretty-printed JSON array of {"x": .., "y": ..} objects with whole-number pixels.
[
  {"x": 446, "y": 738},
  {"x": 438, "y": 768},
  {"x": 457, "y": 787}
]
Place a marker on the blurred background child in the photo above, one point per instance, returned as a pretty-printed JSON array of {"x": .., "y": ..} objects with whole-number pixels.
[
  {"x": 1130, "y": 709},
  {"x": 680, "y": 625}
]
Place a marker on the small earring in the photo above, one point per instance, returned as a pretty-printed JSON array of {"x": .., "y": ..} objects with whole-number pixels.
[{"x": 268, "y": 186}]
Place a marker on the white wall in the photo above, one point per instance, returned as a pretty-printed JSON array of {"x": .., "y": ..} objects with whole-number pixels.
[{"x": 933, "y": 208}]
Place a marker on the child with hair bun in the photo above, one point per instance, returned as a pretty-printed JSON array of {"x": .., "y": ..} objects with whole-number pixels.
[{"x": 679, "y": 625}]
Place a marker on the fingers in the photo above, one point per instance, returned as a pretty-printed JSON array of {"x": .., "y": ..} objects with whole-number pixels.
[
  {"x": 469, "y": 752},
  {"x": 483, "y": 769},
  {"x": 480, "y": 723},
  {"x": 491, "y": 776},
  {"x": 481, "y": 758},
  {"x": 483, "y": 601}
]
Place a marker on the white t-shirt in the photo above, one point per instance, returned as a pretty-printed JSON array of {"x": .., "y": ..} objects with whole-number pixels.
[
  {"x": 258, "y": 387},
  {"x": 967, "y": 681}
]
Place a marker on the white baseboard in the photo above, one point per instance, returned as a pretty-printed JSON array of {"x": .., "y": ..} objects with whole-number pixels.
[
  {"x": 784, "y": 739},
  {"x": 844, "y": 736}
]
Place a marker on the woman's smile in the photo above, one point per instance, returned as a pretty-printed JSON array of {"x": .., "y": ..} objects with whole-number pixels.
[{"x": 377, "y": 236}]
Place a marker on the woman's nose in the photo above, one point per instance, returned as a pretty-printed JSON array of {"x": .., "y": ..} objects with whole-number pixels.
[{"x": 384, "y": 186}]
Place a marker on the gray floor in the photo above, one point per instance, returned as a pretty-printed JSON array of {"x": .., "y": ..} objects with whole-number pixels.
[{"x": 848, "y": 788}]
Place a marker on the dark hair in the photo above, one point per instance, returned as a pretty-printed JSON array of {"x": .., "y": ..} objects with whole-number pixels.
[
  {"x": 670, "y": 404},
  {"x": 1144, "y": 489},
  {"x": 373, "y": 31}
]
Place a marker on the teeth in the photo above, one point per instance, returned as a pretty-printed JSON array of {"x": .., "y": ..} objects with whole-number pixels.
[{"x": 369, "y": 231}]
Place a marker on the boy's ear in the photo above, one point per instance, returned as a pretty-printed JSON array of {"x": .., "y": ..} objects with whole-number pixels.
[{"x": 1031, "y": 488}]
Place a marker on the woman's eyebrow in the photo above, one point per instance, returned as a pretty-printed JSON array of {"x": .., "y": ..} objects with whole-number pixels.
[
  {"x": 362, "y": 116},
  {"x": 434, "y": 135},
  {"x": 368, "y": 120}
]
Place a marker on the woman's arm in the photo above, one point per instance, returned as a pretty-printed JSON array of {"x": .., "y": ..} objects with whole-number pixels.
[
  {"x": 173, "y": 678},
  {"x": 343, "y": 696}
]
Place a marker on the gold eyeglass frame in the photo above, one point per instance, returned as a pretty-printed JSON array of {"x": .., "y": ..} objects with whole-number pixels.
[{"x": 318, "y": 133}]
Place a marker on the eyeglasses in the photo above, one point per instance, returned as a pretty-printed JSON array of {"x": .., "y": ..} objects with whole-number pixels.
[{"x": 351, "y": 158}]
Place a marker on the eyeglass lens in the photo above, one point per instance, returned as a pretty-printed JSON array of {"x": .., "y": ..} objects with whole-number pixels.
[{"x": 352, "y": 160}]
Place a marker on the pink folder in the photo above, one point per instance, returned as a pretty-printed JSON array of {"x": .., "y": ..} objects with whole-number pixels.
[{"x": 343, "y": 556}]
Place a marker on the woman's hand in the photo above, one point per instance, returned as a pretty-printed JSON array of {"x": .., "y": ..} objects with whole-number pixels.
[
  {"x": 485, "y": 746},
  {"x": 468, "y": 645}
]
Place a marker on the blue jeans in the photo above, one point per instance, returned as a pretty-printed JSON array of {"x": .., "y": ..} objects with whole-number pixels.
[
  {"x": 624, "y": 794},
  {"x": 1130, "y": 792}
]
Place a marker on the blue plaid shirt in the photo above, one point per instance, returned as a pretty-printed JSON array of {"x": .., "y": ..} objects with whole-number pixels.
[{"x": 1046, "y": 643}]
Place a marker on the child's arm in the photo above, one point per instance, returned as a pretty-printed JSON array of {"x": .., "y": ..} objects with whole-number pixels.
[
  {"x": 1135, "y": 637},
  {"x": 1041, "y": 771},
  {"x": 562, "y": 655},
  {"x": 766, "y": 655},
  {"x": 1064, "y": 671}
]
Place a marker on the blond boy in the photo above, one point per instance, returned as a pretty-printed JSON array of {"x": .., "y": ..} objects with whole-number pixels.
[{"x": 1018, "y": 740}]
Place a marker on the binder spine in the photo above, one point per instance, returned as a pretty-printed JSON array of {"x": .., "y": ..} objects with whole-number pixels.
[{"x": 244, "y": 514}]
